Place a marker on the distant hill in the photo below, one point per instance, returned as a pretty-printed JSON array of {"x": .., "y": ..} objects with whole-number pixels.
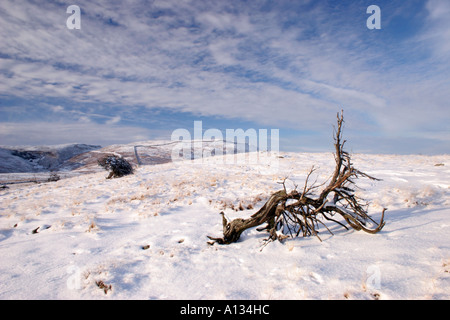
[
  {"x": 22, "y": 159},
  {"x": 83, "y": 157}
]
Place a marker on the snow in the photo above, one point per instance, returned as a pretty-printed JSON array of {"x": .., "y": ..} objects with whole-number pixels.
[
  {"x": 145, "y": 235},
  {"x": 41, "y": 158}
]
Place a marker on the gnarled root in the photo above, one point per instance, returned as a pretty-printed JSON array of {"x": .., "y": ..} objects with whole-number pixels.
[{"x": 304, "y": 212}]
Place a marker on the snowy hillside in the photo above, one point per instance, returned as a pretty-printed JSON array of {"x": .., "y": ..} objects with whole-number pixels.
[
  {"x": 38, "y": 163},
  {"x": 41, "y": 158},
  {"x": 144, "y": 236}
]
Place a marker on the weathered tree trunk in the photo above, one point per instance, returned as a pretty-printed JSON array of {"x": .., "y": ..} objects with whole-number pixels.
[
  {"x": 232, "y": 229},
  {"x": 305, "y": 212}
]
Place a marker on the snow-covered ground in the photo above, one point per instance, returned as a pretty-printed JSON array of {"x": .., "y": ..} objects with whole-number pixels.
[{"x": 143, "y": 236}]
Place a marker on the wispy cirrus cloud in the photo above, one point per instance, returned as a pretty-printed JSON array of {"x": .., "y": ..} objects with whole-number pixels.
[
  {"x": 437, "y": 31},
  {"x": 282, "y": 64}
]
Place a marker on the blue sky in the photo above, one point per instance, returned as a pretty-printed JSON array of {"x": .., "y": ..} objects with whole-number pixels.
[{"x": 137, "y": 70}]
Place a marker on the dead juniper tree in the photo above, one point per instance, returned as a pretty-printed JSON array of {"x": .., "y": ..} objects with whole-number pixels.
[{"x": 300, "y": 213}]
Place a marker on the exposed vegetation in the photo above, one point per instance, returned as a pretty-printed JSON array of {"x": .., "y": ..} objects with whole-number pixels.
[
  {"x": 117, "y": 166},
  {"x": 298, "y": 213}
]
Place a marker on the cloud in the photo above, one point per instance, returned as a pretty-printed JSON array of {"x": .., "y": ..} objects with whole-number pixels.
[
  {"x": 285, "y": 64},
  {"x": 113, "y": 120},
  {"x": 57, "y": 108},
  {"x": 438, "y": 29},
  {"x": 41, "y": 133}
]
